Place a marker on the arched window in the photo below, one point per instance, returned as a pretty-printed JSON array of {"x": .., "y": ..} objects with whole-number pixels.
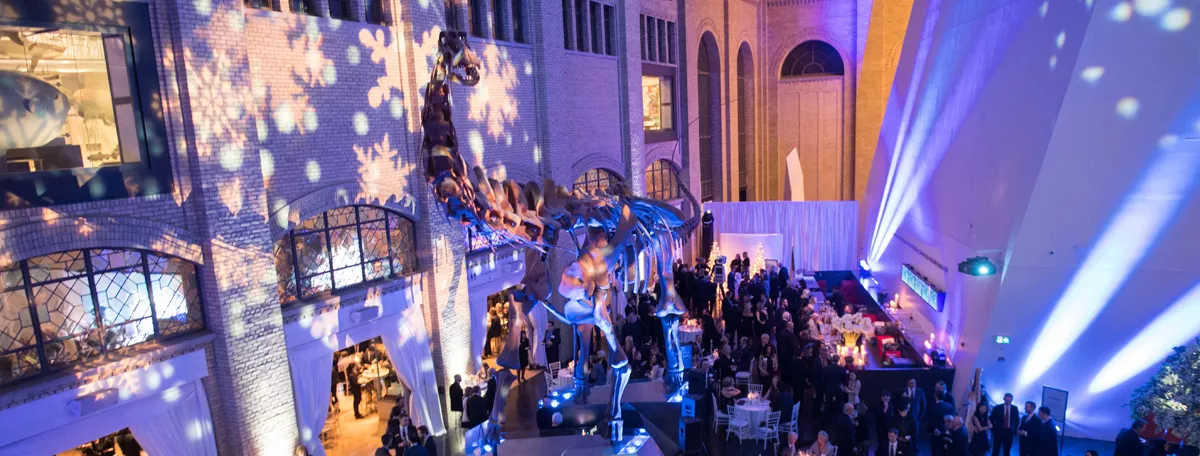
[
  {"x": 59, "y": 309},
  {"x": 661, "y": 183},
  {"x": 596, "y": 179},
  {"x": 344, "y": 247},
  {"x": 745, "y": 77},
  {"x": 813, "y": 58},
  {"x": 708, "y": 117}
]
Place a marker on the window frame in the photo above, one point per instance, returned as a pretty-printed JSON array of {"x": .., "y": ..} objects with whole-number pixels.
[
  {"x": 812, "y": 48},
  {"x": 90, "y": 276},
  {"x": 153, "y": 174},
  {"x": 517, "y": 7},
  {"x": 593, "y": 178},
  {"x": 610, "y": 29},
  {"x": 669, "y": 73},
  {"x": 375, "y": 12},
  {"x": 266, "y": 5},
  {"x": 393, "y": 258},
  {"x": 658, "y": 171}
]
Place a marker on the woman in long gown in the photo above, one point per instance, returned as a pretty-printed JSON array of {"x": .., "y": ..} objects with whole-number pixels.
[
  {"x": 978, "y": 425},
  {"x": 524, "y": 356}
]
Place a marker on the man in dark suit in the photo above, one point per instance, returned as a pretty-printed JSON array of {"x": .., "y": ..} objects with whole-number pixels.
[
  {"x": 907, "y": 428},
  {"x": 406, "y": 436},
  {"x": 477, "y": 409},
  {"x": 551, "y": 340},
  {"x": 891, "y": 445},
  {"x": 1005, "y": 420},
  {"x": 783, "y": 403},
  {"x": 414, "y": 446},
  {"x": 843, "y": 432},
  {"x": 1047, "y": 437},
  {"x": 456, "y": 395},
  {"x": 427, "y": 440},
  {"x": 490, "y": 395},
  {"x": 355, "y": 388},
  {"x": 885, "y": 415},
  {"x": 1128, "y": 441},
  {"x": 1028, "y": 430},
  {"x": 915, "y": 396},
  {"x": 956, "y": 438},
  {"x": 940, "y": 387},
  {"x": 832, "y": 377},
  {"x": 936, "y": 424}
]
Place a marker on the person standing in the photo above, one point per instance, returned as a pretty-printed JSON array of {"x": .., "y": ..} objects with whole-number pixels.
[
  {"x": 456, "y": 395},
  {"x": 1047, "y": 434},
  {"x": 551, "y": 339},
  {"x": 915, "y": 396},
  {"x": 523, "y": 356},
  {"x": 891, "y": 445},
  {"x": 355, "y": 388},
  {"x": 978, "y": 425},
  {"x": 937, "y": 424},
  {"x": 956, "y": 437},
  {"x": 490, "y": 394},
  {"x": 843, "y": 431},
  {"x": 940, "y": 387},
  {"x": 1028, "y": 431},
  {"x": 1128, "y": 441},
  {"x": 906, "y": 425},
  {"x": 427, "y": 440},
  {"x": 1005, "y": 420}
]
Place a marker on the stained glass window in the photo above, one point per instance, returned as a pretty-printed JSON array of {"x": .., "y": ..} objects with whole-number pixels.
[
  {"x": 344, "y": 247},
  {"x": 661, "y": 183},
  {"x": 63, "y": 308}
]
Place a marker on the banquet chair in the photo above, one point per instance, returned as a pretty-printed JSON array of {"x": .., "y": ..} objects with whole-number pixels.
[
  {"x": 741, "y": 379},
  {"x": 719, "y": 418},
  {"x": 554, "y": 367},
  {"x": 770, "y": 431},
  {"x": 834, "y": 452},
  {"x": 738, "y": 424},
  {"x": 756, "y": 389},
  {"x": 793, "y": 425}
]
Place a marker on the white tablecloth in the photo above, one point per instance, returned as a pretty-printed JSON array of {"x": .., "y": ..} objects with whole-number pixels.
[
  {"x": 690, "y": 335},
  {"x": 756, "y": 414}
]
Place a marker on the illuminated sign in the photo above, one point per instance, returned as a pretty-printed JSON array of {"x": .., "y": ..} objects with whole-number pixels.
[{"x": 932, "y": 296}]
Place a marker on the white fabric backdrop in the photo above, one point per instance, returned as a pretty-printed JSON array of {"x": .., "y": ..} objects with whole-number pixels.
[
  {"x": 311, "y": 379},
  {"x": 538, "y": 318},
  {"x": 817, "y": 235},
  {"x": 734, "y": 243},
  {"x": 479, "y": 321},
  {"x": 183, "y": 429},
  {"x": 409, "y": 349}
]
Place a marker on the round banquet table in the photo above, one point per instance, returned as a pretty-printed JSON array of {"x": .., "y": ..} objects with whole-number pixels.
[
  {"x": 756, "y": 413},
  {"x": 690, "y": 335}
]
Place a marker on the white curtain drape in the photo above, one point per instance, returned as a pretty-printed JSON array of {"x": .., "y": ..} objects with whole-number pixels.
[
  {"x": 408, "y": 347},
  {"x": 479, "y": 322},
  {"x": 538, "y": 319},
  {"x": 184, "y": 428},
  {"x": 817, "y": 235},
  {"x": 312, "y": 370}
]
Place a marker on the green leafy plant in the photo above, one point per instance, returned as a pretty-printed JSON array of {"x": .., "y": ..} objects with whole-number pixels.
[{"x": 1173, "y": 394}]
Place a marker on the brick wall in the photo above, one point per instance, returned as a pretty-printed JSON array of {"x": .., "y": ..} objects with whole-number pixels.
[{"x": 274, "y": 117}]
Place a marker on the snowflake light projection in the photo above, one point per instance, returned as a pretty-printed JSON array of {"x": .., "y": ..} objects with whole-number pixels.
[
  {"x": 492, "y": 102},
  {"x": 381, "y": 168}
]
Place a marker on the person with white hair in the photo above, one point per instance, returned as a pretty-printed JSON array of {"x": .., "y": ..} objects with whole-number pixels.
[{"x": 791, "y": 449}]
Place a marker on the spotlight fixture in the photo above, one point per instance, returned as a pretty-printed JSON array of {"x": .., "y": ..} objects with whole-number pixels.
[{"x": 977, "y": 266}]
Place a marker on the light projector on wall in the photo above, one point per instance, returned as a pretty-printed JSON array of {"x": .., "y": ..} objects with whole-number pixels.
[{"x": 977, "y": 266}]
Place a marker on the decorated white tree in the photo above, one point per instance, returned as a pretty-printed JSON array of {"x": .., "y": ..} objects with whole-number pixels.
[
  {"x": 759, "y": 263},
  {"x": 1173, "y": 394},
  {"x": 716, "y": 253}
]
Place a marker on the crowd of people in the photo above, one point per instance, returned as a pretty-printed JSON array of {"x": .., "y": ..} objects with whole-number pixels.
[{"x": 401, "y": 437}]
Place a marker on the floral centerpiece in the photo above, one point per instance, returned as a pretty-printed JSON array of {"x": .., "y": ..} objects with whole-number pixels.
[
  {"x": 1173, "y": 394},
  {"x": 852, "y": 326}
]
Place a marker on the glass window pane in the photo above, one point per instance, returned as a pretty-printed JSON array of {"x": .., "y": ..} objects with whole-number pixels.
[
  {"x": 285, "y": 269},
  {"x": 342, "y": 216},
  {"x": 56, "y": 266},
  {"x": 122, "y": 296},
  {"x": 68, "y": 321},
  {"x": 79, "y": 91},
  {"x": 312, "y": 254},
  {"x": 374, "y": 241},
  {"x": 345, "y": 247},
  {"x": 378, "y": 269},
  {"x": 177, "y": 304},
  {"x": 16, "y": 324},
  {"x": 651, "y": 103},
  {"x": 109, "y": 259},
  {"x": 317, "y": 284},
  {"x": 346, "y": 277},
  {"x": 128, "y": 334}
]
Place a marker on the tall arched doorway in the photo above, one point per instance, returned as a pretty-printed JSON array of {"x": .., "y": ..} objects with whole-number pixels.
[
  {"x": 745, "y": 121},
  {"x": 708, "y": 89},
  {"x": 811, "y": 118}
]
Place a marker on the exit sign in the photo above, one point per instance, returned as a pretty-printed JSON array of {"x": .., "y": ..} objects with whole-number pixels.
[{"x": 1002, "y": 340}]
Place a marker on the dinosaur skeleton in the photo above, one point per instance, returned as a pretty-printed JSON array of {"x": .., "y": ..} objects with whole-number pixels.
[{"x": 623, "y": 242}]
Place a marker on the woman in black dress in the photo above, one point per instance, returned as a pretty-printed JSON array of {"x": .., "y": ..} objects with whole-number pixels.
[
  {"x": 979, "y": 424},
  {"x": 524, "y": 356},
  {"x": 493, "y": 333}
]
